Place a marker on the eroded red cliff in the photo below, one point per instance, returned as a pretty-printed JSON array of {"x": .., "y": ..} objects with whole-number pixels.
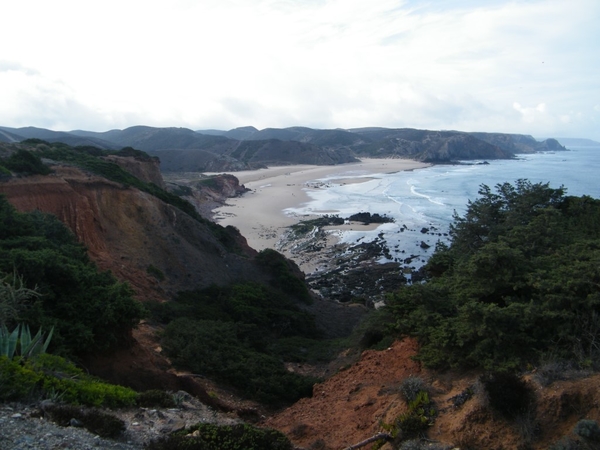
[{"x": 129, "y": 232}]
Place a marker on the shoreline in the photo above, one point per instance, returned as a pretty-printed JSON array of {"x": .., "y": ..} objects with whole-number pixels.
[{"x": 259, "y": 214}]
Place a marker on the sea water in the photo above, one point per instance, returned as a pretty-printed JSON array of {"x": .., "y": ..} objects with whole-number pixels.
[{"x": 422, "y": 202}]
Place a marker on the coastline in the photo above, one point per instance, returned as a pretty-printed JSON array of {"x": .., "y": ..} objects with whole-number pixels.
[{"x": 259, "y": 214}]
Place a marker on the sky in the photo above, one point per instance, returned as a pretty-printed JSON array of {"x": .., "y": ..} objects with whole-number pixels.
[{"x": 520, "y": 66}]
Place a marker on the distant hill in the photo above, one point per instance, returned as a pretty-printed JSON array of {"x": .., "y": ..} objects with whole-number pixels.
[
  {"x": 69, "y": 138},
  {"x": 7, "y": 136},
  {"x": 241, "y": 133},
  {"x": 183, "y": 149},
  {"x": 578, "y": 142},
  {"x": 151, "y": 138}
]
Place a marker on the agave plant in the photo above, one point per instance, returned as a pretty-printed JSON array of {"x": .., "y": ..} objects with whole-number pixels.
[
  {"x": 8, "y": 341},
  {"x": 14, "y": 295},
  {"x": 20, "y": 342}
]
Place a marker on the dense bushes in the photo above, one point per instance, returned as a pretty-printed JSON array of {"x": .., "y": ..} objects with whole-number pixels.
[
  {"x": 50, "y": 376},
  {"x": 27, "y": 163},
  {"x": 519, "y": 280},
  {"x": 283, "y": 275},
  {"x": 231, "y": 353},
  {"x": 585, "y": 436},
  {"x": 413, "y": 423},
  {"x": 17, "y": 381},
  {"x": 206, "y": 436},
  {"x": 250, "y": 303},
  {"x": 89, "y": 310},
  {"x": 238, "y": 335},
  {"x": 95, "y": 421},
  {"x": 155, "y": 398},
  {"x": 508, "y": 394}
]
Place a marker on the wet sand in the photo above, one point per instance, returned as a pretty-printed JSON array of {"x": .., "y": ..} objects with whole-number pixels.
[{"x": 259, "y": 214}]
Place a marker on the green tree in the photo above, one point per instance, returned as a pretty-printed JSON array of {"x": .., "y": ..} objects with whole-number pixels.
[
  {"x": 521, "y": 273},
  {"x": 89, "y": 310},
  {"x": 23, "y": 161}
]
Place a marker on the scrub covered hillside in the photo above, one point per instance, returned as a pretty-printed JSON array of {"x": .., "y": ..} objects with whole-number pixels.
[
  {"x": 520, "y": 283},
  {"x": 89, "y": 310}
]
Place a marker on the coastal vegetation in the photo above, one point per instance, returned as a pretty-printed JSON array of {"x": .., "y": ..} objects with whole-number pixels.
[
  {"x": 518, "y": 284},
  {"x": 53, "y": 377},
  {"x": 26, "y": 162},
  {"x": 92, "y": 159},
  {"x": 240, "y": 335},
  {"x": 204, "y": 436},
  {"x": 88, "y": 310}
]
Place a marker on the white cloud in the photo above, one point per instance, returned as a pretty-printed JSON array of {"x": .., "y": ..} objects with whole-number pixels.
[{"x": 321, "y": 63}]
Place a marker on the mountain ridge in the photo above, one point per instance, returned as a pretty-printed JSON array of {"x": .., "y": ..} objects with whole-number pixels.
[{"x": 247, "y": 148}]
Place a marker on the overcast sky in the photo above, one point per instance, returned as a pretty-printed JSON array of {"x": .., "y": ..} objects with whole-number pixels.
[{"x": 524, "y": 66}]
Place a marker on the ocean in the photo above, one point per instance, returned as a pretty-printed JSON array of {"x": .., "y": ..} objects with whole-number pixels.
[{"x": 427, "y": 198}]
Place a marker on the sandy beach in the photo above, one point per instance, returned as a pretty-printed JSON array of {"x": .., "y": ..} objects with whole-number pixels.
[{"x": 259, "y": 214}]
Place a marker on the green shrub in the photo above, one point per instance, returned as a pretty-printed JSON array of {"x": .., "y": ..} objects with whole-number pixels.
[
  {"x": 155, "y": 272},
  {"x": 182, "y": 191},
  {"x": 411, "y": 387},
  {"x": 89, "y": 310},
  {"x": 284, "y": 277},
  {"x": 17, "y": 381},
  {"x": 250, "y": 303},
  {"x": 155, "y": 398},
  {"x": 130, "y": 151},
  {"x": 513, "y": 286},
  {"x": 215, "y": 437},
  {"x": 508, "y": 394},
  {"x": 462, "y": 398},
  {"x": 415, "y": 422},
  {"x": 90, "y": 392},
  {"x": 97, "y": 422},
  {"x": 588, "y": 430},
  {"x": 302, "y": 349},
  {"x": 49, "y": 376},
  {"x": 239, "y": 335},
  {"x": 23, "y": 161},
  {"x": 78, "y": 388},
  {"x": 420, "y": 416},
  {"x": 225, "y": 352}
]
